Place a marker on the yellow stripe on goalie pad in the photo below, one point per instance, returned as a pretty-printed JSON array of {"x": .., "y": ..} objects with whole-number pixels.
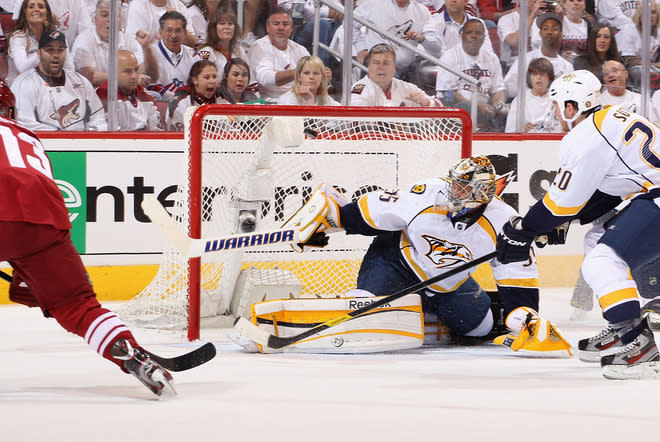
[{"x": 394, "y": 326}]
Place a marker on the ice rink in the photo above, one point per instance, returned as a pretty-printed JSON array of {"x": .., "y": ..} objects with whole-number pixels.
[{"x": 54, "y": 388}]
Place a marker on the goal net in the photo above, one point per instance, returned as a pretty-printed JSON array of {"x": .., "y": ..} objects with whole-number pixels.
[{"x": 254, "y": 170}]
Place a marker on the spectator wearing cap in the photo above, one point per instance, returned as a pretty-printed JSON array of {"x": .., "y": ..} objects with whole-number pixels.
[
  {"x": 174, "y": 58},
  {"x": 34, "y": 18},
  {"x": 91, "y": 49},
  {"x": 136, "y": 108},
  {"x": 53, "y": 98},
  {"x": 550, "y": 25}
]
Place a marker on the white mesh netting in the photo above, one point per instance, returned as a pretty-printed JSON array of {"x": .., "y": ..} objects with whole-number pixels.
[{"x": 243, "y": 174}]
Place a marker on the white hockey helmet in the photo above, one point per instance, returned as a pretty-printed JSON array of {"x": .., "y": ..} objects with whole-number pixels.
[
  {"x": 471, "y": 184},
  {"x": 580, "y": 86}
]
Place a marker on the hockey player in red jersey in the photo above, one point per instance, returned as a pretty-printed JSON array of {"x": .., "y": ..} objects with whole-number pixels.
[{"x": 35, "y": 240}]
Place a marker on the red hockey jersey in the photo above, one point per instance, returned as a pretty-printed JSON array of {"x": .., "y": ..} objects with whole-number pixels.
[{"x": 27, "y": 190}]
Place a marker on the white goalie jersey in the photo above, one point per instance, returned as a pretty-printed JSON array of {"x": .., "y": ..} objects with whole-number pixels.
[{"x": 431, "y": 243}]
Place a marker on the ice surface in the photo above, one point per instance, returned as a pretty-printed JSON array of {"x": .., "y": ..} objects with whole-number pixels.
[{"x": 54, "y": 388}]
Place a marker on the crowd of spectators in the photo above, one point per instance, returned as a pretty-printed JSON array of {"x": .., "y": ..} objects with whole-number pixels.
[{"x": 173, "y": 54}]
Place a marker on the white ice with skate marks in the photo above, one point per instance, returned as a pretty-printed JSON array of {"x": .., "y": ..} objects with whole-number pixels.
[{"x": 54, "y": 388}]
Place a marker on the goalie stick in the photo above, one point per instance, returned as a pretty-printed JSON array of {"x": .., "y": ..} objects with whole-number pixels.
[
  {"x": 182, "y": 362},
  {"x": 193, "y": 247},
  {"x": 6, "y": 277},
  {"x": 262, "y": 337}
]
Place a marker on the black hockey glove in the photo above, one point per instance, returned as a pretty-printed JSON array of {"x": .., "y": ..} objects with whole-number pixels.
[
  {"x": 318, "y": 239},
  {"x": 513, "y": 243},
  {"x": 556, "y": 236}
]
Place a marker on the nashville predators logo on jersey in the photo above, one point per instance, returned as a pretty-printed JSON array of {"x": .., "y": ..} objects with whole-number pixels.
[
  {"x": 443, "y": 253},
  {"x": 67, "y": 114}
]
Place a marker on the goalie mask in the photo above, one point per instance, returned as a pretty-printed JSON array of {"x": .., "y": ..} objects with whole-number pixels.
[{"x": 471, "y": 184}]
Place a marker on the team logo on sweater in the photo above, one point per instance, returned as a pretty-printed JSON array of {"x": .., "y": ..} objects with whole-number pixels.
[
  {"x": 67, "y": 114},
  {"x": 444, "y": 253}
]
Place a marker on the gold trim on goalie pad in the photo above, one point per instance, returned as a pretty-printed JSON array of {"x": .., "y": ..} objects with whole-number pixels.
[{"x": 395, "y": 326}]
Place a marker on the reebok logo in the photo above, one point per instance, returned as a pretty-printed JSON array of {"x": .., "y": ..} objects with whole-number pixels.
[{"x": 355, "y": 304}]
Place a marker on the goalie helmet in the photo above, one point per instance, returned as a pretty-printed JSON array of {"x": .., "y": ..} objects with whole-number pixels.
[
  {"x": 579, "y": 86},
  {"x": 471, "y": 184},
  {"x": 7, "y": 101}
]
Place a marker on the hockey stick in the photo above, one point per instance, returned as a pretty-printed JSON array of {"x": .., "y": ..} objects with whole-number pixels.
[
  {"x": 262, "y": 337},
  {"x": 192, "y": 247},
  {"x": 6, "y": 277},
  {"x": 182, "y": 362},
  {"x": 188, "y": 360}
]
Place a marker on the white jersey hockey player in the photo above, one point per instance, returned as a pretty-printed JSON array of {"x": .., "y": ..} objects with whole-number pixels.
[
  {"x": 611, "y": 154},
  {"x": 430, "y": 228}
]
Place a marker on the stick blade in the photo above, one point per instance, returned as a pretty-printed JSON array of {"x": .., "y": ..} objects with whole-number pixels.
[
  {"x": 199, "y": 356},
  {"x": 159, "y": 216}
]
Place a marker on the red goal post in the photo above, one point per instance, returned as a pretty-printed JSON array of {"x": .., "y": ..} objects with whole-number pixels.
[{"x": 230, "y": 171}]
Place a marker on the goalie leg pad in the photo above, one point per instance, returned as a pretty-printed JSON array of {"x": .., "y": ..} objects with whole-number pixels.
[
  {"x": 534, "y": 334},
  {"x": 394, "y": 326},
  {"x": 319, "y": 214}
]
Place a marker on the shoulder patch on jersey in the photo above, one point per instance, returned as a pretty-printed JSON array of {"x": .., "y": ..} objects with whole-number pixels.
[
  {"x": 205, "y": 54},
  {"x": 358, "y": 88},
  {"x": 599, "y": 116},
  {"x": 418, "y": 189}
]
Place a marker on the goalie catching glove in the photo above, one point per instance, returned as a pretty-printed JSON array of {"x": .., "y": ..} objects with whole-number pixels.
[
  {"x": 317, "y": 217},
  {"x": 533, "y": 333}
]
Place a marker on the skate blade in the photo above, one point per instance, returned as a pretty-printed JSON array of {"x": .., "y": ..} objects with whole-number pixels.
[
  {"x": 168, "y": 390},
  {"x": 645, "y": 370}
]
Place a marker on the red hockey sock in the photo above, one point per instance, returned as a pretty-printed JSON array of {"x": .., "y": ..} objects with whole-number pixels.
[{"x": 100, "y": 327}]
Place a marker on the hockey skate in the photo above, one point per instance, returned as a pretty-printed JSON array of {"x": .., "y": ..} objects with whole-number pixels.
[
  {"x": 651, "y": 310},
  {"x": 140, "y": 365},
  {"x": 636, "y": 360},
  {"x": 606, "y": 342}
]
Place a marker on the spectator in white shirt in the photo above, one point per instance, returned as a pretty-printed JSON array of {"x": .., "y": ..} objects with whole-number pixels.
[
  {"x": 200, "y": 12},
  {"x": 174, "y": 58},
  {"x": 136, "y": 108},
  {"x": 145, "y": 14},
  {"x": 380, "y": 88},
  {"x": 539, "y": 112},
  {"x": 202, "y": 88},
  {"x": 273, "y": 58},
  {"x": 311, "y": 84},
  {"x": 471, "y": 58},
  {"x": 91, "y": 49},
  {"x": 404, "y": 19},
  {"x": 550, "y": 25},
  {"x": 34, "y": 18},
  {"x": 222, "y": 39},
  {"x": 615, "y": 93}
]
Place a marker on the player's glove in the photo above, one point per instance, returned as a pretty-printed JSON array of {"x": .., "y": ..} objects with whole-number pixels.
[
  {"x": 556, "y": 236},
  {"x": 318, "y": 239},
  {"x": 513, "y": 243}
]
